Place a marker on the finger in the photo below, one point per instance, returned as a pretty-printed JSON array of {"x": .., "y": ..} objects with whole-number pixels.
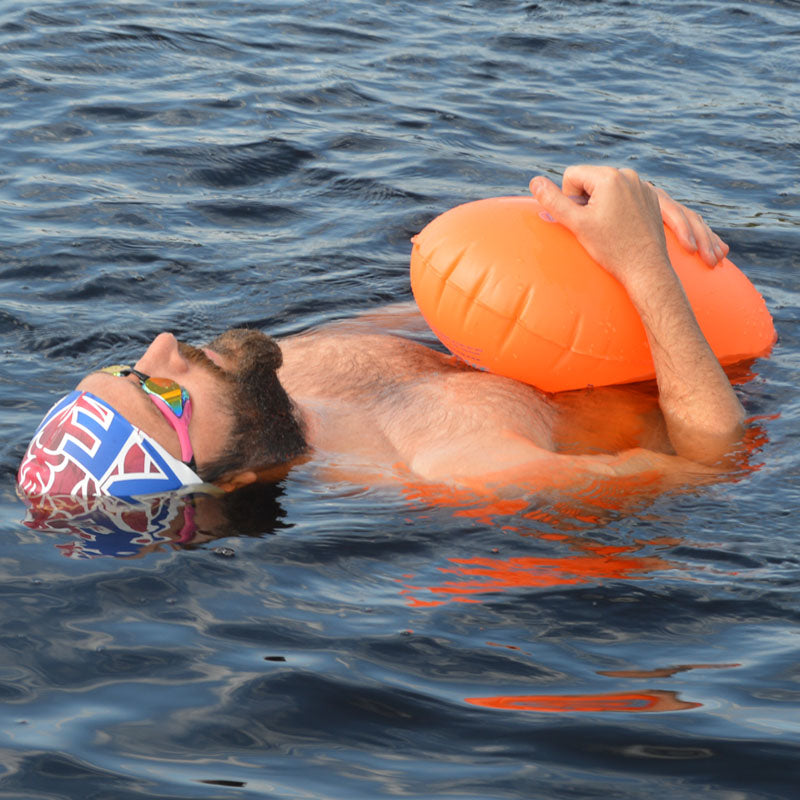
[
  {"x": 706, "y": 247},
  {"x": 581, "y": 180},
  {"x": 721, "y": 247},
  {"x": 692, "y": 230},
  {"x": 675, "y": 218},
  {"x": 560, "y": 207},
  {"x": 712, "y": 248}
]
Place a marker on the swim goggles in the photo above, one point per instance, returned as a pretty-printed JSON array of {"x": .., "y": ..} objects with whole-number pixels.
[{"x": 171, "y": 399}]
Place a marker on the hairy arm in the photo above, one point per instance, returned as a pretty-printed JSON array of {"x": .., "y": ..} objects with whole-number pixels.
[
  {"x": 620, "y": 226},
  {"x": 509, "y": 465}
]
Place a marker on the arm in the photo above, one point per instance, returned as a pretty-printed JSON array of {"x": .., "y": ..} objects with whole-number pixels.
[
  {"x": 621, "y": 228},
  {"x": 505, "y": 464}
]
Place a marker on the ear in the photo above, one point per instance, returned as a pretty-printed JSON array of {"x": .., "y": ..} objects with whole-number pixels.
[{"x": 236, "y": 480}]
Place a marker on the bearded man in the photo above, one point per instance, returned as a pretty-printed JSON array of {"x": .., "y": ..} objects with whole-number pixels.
[{"x": 373, "y": 406}]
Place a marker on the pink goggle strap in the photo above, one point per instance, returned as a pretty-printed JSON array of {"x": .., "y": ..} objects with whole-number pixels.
[{"x": 179, "y": 424}]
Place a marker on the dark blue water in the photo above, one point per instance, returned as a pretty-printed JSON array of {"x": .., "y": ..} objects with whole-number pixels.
[{"x": 196, "y": 165}]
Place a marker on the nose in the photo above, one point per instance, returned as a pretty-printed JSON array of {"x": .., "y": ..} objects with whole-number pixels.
[{"x": 162, "y": 358}]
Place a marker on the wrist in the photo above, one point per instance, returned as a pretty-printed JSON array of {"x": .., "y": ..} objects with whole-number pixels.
[{"x": 651, "y": 282}]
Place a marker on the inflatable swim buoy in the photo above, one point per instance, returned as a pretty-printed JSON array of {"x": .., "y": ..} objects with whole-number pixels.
[{"x": 508, "y": 290}]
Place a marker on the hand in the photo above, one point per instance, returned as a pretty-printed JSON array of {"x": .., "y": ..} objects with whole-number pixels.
[
  {"x": 691, "y": 229},
  {"x": 595, "y": 182},
  {"x": 620, "y": 223}
]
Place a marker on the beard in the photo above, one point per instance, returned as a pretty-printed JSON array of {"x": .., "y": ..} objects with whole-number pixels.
[{"x": 266, "y": 427}]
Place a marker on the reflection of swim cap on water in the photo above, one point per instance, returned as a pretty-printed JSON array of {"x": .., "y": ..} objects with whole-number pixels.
[
  {"x": 113, "y": 526},
  {"x": 84, "y": 448},
  {"x": 109, "y": 526}
]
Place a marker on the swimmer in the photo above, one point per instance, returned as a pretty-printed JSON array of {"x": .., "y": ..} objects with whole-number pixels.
[{"x": 375, "y": 406}]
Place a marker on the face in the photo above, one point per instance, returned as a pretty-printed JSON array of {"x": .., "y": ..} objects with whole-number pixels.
[{"x": 201, "y": 373}]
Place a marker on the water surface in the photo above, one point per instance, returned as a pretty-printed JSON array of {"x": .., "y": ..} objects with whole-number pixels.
[{"x": 196, "y": 165}]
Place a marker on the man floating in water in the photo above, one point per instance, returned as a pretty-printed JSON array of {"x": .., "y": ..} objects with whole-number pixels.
[{"x": 371, "y": 406}]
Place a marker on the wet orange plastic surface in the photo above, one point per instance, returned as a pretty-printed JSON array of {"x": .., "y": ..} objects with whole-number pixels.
[{"x": 509, "y": 291}]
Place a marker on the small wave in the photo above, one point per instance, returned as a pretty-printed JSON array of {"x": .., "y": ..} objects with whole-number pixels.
[{"x": 236, "y": 166}]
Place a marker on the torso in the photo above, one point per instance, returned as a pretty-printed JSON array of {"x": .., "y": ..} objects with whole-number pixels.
[{"x": 377, "y": 401}]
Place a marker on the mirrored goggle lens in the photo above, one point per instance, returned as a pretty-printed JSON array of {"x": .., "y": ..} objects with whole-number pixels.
[{"x": 168, "y": 390}]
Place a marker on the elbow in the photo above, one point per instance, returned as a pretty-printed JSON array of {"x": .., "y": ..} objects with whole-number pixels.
[{"x": 716, "y": 445}]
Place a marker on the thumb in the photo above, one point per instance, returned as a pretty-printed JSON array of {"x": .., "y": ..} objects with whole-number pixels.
[{"x": 561, "y": 208}]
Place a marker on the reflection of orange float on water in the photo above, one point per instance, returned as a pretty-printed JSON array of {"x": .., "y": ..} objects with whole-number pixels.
[
  {"x": 652, "y": 700},
  {"x": 468, "y": 579},
  {"x": 510, "y": 291}
]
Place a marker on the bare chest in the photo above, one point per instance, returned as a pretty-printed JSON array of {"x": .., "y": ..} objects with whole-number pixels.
[{"x": 385, "y": 397}]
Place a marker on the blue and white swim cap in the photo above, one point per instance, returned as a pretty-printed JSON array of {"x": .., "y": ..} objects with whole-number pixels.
[{"x": 85, "y": 448}]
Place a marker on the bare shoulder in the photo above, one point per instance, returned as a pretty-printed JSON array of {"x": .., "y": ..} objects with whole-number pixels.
[{"x": 343, "y": 362}]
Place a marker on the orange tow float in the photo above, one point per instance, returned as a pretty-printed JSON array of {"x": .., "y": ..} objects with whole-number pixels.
[{"x": 510, "y": 291}]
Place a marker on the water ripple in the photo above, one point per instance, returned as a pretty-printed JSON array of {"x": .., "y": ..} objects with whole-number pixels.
[{"x": 194, "y": 165}]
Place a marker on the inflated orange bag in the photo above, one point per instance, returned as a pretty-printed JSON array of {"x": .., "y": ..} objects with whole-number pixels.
[{"x": 508, "y": 290}]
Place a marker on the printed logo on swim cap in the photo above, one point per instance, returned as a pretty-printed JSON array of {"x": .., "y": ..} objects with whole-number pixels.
[{"x": 83, "y": 448}]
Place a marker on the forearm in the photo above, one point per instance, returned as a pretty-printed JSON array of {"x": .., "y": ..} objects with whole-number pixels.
[
  {"x": 703, "y": 415},
  {"x": 621, "y": 228}
]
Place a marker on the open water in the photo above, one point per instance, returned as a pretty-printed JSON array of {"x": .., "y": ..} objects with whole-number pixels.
[{"x": 196, "y": 164}]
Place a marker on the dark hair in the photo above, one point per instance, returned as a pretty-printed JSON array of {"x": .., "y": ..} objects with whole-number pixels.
[{"x": 266, "y": 429}]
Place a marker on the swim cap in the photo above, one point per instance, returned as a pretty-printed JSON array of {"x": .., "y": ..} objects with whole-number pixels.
[{"x": 84, "y": 448}]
